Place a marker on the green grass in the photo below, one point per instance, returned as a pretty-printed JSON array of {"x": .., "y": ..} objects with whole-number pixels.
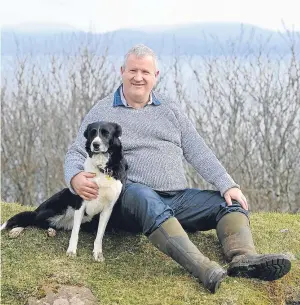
[{"x": 135, "y": 272}]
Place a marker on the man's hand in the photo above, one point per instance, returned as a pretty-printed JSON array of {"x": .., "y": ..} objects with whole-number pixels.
[
  {"x": 236, "y": 194},
  {"x": 85, "y": 188}
]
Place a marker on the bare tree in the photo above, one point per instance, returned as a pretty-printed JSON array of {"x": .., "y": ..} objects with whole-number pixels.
[
  {"x": 42, "y": 109},
  {"x": 249, "y": 111},
  {"x": 245, "y": 105}
]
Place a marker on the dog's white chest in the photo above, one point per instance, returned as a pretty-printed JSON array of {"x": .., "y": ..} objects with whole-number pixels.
[
  {"x": 109, "y": 191},
  {"x": 92, "y": 165}
]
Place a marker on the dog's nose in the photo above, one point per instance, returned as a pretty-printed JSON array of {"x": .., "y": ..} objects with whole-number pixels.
[{"x": 96, "y": 145}]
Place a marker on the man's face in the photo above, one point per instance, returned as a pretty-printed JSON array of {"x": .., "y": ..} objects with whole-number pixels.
[{"x": 139, "y": 77}]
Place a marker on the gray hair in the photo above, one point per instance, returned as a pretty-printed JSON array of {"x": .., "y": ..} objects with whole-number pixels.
[{"x": 140, "y": 50}]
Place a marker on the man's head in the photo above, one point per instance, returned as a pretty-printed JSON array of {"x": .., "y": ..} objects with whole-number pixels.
[{"x": 139, "y": 75}]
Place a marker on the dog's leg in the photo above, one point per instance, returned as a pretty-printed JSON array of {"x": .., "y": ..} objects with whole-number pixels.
[
  {"x": 51, "y": 232},
  {"x": 104, "y": 217},
  {"x": 78, "y": 215},
  {"x": 15, "y": 232},
  {"x": 43, "y": 221}
]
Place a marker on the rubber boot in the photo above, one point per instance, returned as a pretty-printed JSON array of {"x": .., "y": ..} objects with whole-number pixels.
[
  {"x": 171, "y": 239},
  {"x": 234, "y": 233}
]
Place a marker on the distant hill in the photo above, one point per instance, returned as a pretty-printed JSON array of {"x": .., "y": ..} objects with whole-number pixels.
[{"x": 190, "y": 39}]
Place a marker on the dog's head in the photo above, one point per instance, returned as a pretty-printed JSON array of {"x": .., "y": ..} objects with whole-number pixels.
[{"x": 101, "y": 136}]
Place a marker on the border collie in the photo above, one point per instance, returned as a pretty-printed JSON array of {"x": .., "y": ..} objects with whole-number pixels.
[{"x": 67, "y": 211}]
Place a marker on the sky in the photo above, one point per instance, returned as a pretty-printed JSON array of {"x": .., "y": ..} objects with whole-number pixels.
[{"x": 109, "y": 15}]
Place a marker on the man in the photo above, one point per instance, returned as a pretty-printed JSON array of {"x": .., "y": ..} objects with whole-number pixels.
[{"x": 156, "y": 134}]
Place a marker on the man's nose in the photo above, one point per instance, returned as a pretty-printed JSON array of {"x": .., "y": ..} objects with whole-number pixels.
[{"x": 138, "y": 76}]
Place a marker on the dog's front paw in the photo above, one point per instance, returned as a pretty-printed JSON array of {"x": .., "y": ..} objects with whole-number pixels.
[
  {"x": 51, "y": 232},
  {"x": 15, "y": 232},
  {"x": 98, "y": 256},
  {"x": 71, "y": 252}
]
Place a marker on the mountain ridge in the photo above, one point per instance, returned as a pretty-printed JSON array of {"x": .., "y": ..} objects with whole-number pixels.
[{"x": 188, "y": 39}]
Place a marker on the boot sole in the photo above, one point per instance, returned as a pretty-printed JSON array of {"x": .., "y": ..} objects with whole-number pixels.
[
  {"x": 267, "y": 268},
  {"x": 215, "y": 284}
]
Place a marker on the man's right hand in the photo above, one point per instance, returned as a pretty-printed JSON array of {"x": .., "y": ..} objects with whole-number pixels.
[{"x": 84, "y": 187}]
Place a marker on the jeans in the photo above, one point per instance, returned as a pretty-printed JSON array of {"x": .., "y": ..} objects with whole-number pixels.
[{"x": 140, "y": 209}]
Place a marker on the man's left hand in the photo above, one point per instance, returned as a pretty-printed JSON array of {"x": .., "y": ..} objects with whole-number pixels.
[{"x": 236, "y": 194}]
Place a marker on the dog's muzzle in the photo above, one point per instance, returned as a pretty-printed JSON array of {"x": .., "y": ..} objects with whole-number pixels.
[{"x": 98, "y": 147}]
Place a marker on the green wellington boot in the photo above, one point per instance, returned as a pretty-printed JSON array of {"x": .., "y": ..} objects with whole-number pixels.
[
  {"x": 234, "y": 233},
  {"x": 171, "y": 239}
]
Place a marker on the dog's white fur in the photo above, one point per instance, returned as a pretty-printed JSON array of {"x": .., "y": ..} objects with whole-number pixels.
[
  {"x": 71, "y": 219},
  {"x": 109, "y": 192}
]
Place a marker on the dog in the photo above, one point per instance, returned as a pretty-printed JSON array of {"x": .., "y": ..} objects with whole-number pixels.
[{"x": 68, "y": 211}]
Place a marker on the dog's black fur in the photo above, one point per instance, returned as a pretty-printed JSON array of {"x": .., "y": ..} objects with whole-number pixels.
[{"x": 61, "y": 201}]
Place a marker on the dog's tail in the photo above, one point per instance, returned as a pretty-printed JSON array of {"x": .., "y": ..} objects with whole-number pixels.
[{"x": 23, "y": 219}]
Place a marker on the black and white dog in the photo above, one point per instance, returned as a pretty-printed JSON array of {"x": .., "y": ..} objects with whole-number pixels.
[{"x": 67, "y": 211}]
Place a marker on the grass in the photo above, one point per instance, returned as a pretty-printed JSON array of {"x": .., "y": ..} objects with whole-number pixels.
[{"x": 136, "y": 273}]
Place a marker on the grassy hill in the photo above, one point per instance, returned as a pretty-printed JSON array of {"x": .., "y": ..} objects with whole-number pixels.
[{"x": 136, "y": 273}]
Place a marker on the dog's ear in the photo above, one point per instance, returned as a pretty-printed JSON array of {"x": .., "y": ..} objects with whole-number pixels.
[
  {"x": 86, "y": 132},
  {"x": 118, "y": 130}
]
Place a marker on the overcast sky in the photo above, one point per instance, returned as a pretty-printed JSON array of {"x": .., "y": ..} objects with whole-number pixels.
[{"x": 107, "y": 15}]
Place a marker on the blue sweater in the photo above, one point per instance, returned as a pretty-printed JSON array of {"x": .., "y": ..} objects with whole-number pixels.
[{"x": 155, "y": 139}]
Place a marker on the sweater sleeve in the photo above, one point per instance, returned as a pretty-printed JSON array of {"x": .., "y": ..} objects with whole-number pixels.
[{"x": 201, "y": 157}]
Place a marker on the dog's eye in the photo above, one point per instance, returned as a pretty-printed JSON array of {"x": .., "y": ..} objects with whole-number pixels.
[
  {"x": 93, "y": 132},
  {"x": 104, "y": 132}
]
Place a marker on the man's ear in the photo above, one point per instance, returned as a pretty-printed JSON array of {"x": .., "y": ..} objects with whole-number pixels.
[
  {"x": 86, "y": 132},
  {"x": 118, "y": 130},
  {"x": 122, "y": 69}
]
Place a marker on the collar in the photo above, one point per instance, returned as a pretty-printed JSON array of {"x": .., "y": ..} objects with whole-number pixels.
[
  {"x": 125, "y": 102},
  {"x": 106, "y": 171},
  {"x": 119, "y": 99}
]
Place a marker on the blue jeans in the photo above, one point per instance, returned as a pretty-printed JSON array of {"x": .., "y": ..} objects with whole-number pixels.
[{"x": 141, "y": 209}]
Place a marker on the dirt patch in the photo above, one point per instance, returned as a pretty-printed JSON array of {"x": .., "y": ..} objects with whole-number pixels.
[{"x": 65, "y": 295}]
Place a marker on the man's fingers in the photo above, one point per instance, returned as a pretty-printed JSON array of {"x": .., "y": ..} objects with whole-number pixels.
[
  {"x": 236, "y": 194},
  {"x": 91, "y": 185},
  {"x": 89, "y": 175},
  {"x": 89, "y": 190},
  {"x": 87, "y": 196},
  {"x": 244, "y": 203},
  {"x": 228, "y": 200}
]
